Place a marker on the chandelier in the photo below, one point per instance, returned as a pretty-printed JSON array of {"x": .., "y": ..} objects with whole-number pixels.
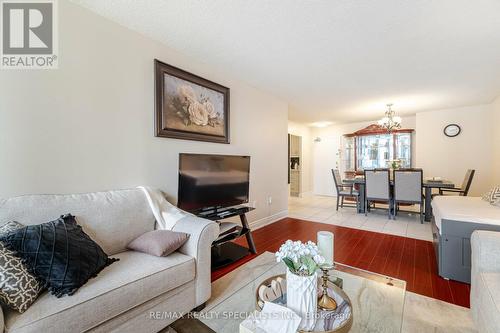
[{"x": 390, "y": 122}]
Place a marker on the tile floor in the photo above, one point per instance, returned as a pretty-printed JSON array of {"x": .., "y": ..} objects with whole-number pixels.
[{"x": 322, "y": 209}]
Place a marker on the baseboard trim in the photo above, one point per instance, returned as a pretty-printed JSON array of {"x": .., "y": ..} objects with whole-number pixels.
[
  {"x": 306, "y": 194},
  {"x": 268, "y": 220}
]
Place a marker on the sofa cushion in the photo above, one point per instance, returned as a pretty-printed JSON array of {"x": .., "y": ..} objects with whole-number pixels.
[
  {"x": 487, "y": 302},
  {"x": 112, "y": 219},
  {"x": 464, "y": 209},
  {"x": 133, "y": 280},
  {"x": 58, "y": 253}
]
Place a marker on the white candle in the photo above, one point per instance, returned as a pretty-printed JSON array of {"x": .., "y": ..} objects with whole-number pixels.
[{"x": 325, "y": 245}]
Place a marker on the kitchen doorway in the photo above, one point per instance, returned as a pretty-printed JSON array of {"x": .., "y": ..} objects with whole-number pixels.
[{"x": 294, "y": 164}]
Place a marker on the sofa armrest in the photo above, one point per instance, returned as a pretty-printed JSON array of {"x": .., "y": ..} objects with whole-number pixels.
[
  {"x": 202, "y": 234},
  {"x": 485, "y": 258},
  {"x": 485, "y": 251}
]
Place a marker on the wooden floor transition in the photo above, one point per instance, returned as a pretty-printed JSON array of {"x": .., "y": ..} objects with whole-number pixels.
[{"x": 404, "y": 258}]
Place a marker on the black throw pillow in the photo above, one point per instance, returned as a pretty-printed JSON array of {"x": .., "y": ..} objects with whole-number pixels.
[{"x": 58, "y": 253}]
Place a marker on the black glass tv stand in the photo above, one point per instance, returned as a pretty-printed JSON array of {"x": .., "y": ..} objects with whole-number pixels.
[{"x": 224, "y": 250}]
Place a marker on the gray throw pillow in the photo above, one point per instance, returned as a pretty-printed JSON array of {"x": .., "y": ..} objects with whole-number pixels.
[
  {"x": 493, "y": 195},
  {"x": 159, "y": 243},
  {"x": 18, "y": 287}
]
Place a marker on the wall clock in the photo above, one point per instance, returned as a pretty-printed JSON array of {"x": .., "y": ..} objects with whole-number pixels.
[{"x": 452, "y": 130}]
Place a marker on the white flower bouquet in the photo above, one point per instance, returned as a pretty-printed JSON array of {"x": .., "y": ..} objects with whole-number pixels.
[{"x": 302, "y": 259}]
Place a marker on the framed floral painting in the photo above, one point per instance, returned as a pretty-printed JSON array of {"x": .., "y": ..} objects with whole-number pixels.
[{"x": 190, "y": 107}]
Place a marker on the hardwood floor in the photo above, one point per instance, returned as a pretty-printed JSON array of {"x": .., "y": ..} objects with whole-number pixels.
[{"x": 404, "y": 258}]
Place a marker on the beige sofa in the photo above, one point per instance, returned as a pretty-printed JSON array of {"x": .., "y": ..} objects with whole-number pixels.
[
  {"x": 485, "y": 284},
  {"x": 139, "y": 293}
]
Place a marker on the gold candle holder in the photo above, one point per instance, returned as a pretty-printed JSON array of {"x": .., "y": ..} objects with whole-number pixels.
[{"x": 325, "y": 302}]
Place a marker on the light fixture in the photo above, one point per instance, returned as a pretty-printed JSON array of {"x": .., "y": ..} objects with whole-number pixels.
[
  {"x": 390, "y": 122},
  {"x": 321, "y": 124}
]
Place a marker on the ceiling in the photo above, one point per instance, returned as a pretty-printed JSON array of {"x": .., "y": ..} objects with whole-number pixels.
[{"x": 335, "y": 60}]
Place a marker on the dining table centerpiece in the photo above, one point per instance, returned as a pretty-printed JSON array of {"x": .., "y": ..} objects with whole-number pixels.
[
  {"x": 394, "y": 164},
  {"x": 302, "y": 261}
]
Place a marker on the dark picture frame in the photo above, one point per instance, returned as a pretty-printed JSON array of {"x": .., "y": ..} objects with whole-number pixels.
[{"x": 189, "y": 107}]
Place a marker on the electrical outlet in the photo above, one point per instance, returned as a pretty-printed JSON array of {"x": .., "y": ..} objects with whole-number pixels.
[
  {"x": 254, "y": 204},
  {"x": 269, "y": 200}
]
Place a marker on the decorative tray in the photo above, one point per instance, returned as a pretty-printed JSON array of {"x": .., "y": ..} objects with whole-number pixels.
[{"x": 339, "y": 320}]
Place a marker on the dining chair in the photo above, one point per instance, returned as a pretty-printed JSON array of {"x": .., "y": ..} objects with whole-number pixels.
[
  {"x": 343, "y": 190},
  {"x": 408, "y": 189},
  {"x": 378, "y": 188},
  {"x": 464, "y": 189}
]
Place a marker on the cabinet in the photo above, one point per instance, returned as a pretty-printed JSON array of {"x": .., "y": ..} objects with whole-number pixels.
[
  {"x": 294, "y": 182},
  {"x": 373, "y": 147},
  {"x": 295, "y": 142},
  {"x": 294, "y": 164},
  {"x": 347, "y": 155}
]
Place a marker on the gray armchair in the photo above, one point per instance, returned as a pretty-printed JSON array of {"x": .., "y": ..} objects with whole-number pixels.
[
  {"x": 408, "y": 189},
  {"x": 464, "y": 189},
  {"x": 378, "y": 188},
  {"x": 343, "y": 190}
]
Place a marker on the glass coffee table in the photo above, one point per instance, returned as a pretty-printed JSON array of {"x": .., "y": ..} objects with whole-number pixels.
[{"x": 377, "y": 300}]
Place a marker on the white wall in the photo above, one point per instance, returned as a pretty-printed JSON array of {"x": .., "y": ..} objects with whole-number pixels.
[
  {"x": 450, "y": 158},
  {"x": 496, "y": 141},
  {"x": 88, "y": 126},
  {"x": 326, "y": 152},
  {"x": 306, "y": 175}
]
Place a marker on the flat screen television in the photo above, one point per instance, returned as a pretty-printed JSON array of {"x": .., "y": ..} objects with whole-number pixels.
[{"x": 212, "y": 181}]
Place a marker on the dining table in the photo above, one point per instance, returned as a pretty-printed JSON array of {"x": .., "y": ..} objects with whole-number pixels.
[{"x": 428, "y": 185}]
